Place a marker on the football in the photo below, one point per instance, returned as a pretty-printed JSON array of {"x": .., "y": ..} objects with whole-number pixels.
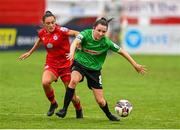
[{"x": 123, "y": 108}]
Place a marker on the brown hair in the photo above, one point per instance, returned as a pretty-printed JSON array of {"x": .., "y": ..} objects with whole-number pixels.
[
  {"x": 102, "y": 21},
  {"x": 47, "y": 14}
]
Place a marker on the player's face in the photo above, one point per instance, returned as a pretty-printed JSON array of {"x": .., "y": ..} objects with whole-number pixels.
[
  {"x": 49, "y": 24},
  {"x": 99, "y": 31}
]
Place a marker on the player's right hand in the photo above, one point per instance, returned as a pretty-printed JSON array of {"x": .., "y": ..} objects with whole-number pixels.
[
  {"x": 70, "y": 56},
  {"x": 24, "y": 56}
]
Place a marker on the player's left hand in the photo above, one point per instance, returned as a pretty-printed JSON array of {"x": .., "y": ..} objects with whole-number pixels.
[{"x": 141, "y": 69}]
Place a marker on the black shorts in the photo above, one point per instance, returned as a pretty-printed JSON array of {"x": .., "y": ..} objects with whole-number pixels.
[{"x": 93, "y": 76}]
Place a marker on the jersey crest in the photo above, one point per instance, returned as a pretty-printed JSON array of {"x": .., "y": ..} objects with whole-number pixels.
[
  {"x": 55, "y": 37},
  {"x": 49, "y": 45}
]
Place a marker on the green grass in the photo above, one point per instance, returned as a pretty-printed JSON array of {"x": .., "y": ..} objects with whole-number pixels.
[{"x": 155, "y": 96}]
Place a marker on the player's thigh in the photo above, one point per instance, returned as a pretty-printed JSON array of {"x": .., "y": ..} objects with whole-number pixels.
[
  {"x": 75, "y": 78},
  {"x": 66, "y": 79},
  {"x": 66, "y": 82},
  {"x": 75, "y": 75},
  {"x": 65, "y": 75},
  {"x": 48, "y": 76}
]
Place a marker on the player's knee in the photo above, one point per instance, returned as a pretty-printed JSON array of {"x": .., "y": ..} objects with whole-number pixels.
[
  {"x": 73, "y": 82},
  {"x": 101, "y": 102},
  {"x": 46, "y": 83}
]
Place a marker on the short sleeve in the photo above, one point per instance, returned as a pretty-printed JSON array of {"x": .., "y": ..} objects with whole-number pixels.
[
  {"x": 81, "y": 36},
  {"x": 113, "y": 46},
  {"x": 64, "y": 30}
]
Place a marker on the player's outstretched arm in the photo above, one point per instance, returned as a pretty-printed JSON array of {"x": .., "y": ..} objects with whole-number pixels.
[
  {"x": 73, "y": 33},
  {"x": 27, "y": 54},
  {"x": 139, "y": 68},
  {"x": 73, "y": 47}
]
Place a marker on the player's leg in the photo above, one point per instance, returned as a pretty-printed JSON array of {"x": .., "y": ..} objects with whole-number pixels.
[
  {"x": 95, "y": 83},
  {"x": 77, "y": 105},
  {"x": 75, "y": 78},
  {"x": 98, "y": 94},
  {"x": 75, "y": 100},
  {"x": 47, "y": 78}
]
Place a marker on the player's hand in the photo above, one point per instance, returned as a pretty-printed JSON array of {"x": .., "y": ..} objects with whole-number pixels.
[
  {"x": 140, "y": 69},
  {"x": 24, "y": 56},
  {"x": 70, "y": 56}
]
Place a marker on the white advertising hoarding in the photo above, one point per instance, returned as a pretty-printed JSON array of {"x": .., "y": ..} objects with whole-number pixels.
[
  {"x": 67, "y": 9},
  {"x": 152, "y": 39},
  {"x": 151, "y": 8}
]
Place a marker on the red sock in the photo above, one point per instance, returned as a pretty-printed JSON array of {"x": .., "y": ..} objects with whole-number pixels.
[
  {"x": 50, "y": 96},
  {"x": 77, "y": 105}
]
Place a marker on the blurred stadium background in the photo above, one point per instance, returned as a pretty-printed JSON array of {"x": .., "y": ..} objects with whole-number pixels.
[{"x": 140, "y": 26}]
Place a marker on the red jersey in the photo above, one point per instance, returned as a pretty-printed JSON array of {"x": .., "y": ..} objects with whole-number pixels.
[{"x": 57, "y": 46}]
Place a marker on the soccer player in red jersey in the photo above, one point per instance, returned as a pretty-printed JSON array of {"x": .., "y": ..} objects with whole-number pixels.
[{"x": 56, "y": 42}]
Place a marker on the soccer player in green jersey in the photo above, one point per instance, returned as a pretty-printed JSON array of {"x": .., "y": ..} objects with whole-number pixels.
[{"x": 93, "y": 46}]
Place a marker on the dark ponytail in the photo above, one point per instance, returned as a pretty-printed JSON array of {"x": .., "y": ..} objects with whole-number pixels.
[
  {"x": 47, "y": 14},
  {"x": 102, "y": 21}
]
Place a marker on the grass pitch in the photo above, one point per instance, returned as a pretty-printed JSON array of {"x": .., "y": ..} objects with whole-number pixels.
[{"x": 155, "y": 96}]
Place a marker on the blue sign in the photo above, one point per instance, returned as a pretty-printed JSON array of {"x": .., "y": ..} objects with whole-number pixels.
[{"x": 133, "y": 38}]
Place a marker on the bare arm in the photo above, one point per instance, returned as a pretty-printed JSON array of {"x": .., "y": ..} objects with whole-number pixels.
[
  {"x": 27, "y": 54},
  {"x": 139, "y": 68},
  {"x": 73, "y": 47},
  {"x": 73, "y": 33}
]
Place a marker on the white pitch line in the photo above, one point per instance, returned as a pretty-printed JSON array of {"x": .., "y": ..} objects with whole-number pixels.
[
  {"x": 26, "y": 114},
  {"x": 23, "y": 114}
]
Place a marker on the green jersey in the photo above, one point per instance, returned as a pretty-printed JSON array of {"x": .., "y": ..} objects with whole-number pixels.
[{"x": 93, "y": 52}]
